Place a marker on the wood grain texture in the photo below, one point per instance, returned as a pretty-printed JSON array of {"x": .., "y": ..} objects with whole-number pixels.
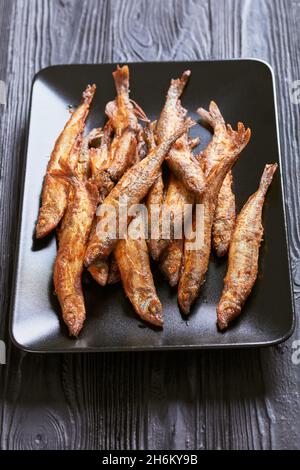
[{"x": 175, "y": 400}]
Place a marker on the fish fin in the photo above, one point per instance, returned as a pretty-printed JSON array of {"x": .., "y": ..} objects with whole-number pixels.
[
  {"x": 139, "y": 112},
  {"x": 213, "y": 117},
  {"x": 121, "y": 78},
  {"x": 240, "y": 138}
]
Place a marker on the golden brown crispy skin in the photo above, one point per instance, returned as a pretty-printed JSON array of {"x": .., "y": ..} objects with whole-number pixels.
[
  {"x": 134, "y": 185},
  {"x": 123, "y": 150},
  {"x": 68, "y": 265},
  {"x": 225, "y": 211},
  {"x": 177, "y": 194},
  {"x": 180, "y": 159},
  {"x": 62, "y": 161},
  {"x": 243, "y": 253},
  {"x": 121, "y": 111},
  {"x": 171, "y": 250},
  {"x": 105, "y": 271},
  {"x": 171, "y": 261},
  {"x": 154, "y": 201},
  {"x": 123, "y": 117},
  {"x": 225, "y": 215},
  {"x": 177, "y": 197},
  {"x": 133, "y": 262},
  {"x": 196, "y": 260},
  {"x": 110, "y": 161},
  {"x": 83, "y": 169},
  {"x": 99, "y": 269},
  {"x": 100, "y": 161}
]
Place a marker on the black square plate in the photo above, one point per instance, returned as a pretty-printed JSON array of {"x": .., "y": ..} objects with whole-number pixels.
[{"x": 244, "y": 90}]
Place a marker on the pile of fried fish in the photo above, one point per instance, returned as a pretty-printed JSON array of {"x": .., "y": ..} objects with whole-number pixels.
[{"x": 153, "y": 164}]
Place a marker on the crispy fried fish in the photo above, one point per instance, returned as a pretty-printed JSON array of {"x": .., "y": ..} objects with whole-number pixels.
[
  {"x": 131, "y": 188},
  {"x": 123, "y": 114},
  {"x": 134, "y": 265},
  {"x": 91, "y": 160},
  {"x": 171, "y": 258},
  {"x": 243, "y": 253},
  {"x": 83, "y": 169},
  {"x": 110, "y": 161},
  {"x": 171, "y": 247},
  {"x": 196, "y": 259},
  {"x": 62, "y": 160},
  {"x": 177, "y": 193},
  {"x": 180, "y": 159},
  {"x": 68, "y": 267},
  {"x": 177, "y": 198},
  {"x": 99, "y": 162},
  {"x": 102, "y": 270},
  {"x": 154, "y": 201},
  {"x": 224, "y": 220}
]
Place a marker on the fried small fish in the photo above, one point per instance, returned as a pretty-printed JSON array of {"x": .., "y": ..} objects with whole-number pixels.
[
  {"x": 244, "y": 253},
  {"x": 133, "y": 261},
  {"x": 177, "y": 199},
  {"x": 178, "y": 192},
  {"x": 68, "y": 266},
  {"x": 131, "y": 189},
  {"x": 63, "y": 161},
  {"x": 175, "y": 205},
  {"x": 102, "y": 270},
  {"x": 171, "y": 256},
  {"x": 154, "y": 201},
  {"x": 99, "y": 270},
  {"x": 123, "y": 115},
  {"x": 180, "y": 158},
  {"x": 99, "y": 157},
  {"x": 100, "y": 160},
  {"x": 224, "y": 218},
  {"x": 196, "y": 258}
]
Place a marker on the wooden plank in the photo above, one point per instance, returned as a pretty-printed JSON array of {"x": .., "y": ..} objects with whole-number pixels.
[{"x": 233, "y": 399}]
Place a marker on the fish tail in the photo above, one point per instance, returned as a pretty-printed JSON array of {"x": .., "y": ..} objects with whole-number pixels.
[
  {"x": 227, "y": 311},
  {"x": 121, "y": 78},
  {"x": 178, "y": 84}
]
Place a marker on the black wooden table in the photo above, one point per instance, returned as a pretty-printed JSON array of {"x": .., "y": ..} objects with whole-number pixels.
[{"x": 246, "y": 399}]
